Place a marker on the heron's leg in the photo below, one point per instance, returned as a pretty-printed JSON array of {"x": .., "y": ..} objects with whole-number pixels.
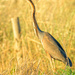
[
  {"x": 53, "y": 63},
  {"x": 50, "y": 59}
]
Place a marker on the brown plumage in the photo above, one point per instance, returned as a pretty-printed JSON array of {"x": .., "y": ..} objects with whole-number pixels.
[{"x": 50, "y": 44}]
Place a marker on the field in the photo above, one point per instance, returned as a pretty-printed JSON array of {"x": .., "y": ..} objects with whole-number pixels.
[{"x": 54, "y": 16}]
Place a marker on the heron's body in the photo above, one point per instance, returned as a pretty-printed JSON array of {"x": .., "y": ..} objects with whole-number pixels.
[
  {"x": 52, "y": 47},
  {"x": 50, "y": 44}
]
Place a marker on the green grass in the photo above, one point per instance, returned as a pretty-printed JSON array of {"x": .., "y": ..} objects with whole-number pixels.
[{"x": 67, "y": 71}]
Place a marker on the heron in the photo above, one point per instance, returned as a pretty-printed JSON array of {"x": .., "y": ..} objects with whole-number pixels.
[{"x": 51, "y": 46}]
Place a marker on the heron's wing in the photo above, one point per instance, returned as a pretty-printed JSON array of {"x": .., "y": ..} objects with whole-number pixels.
[
  {"x": 57, "y": 43},
  {"x": 52, "y": 46}
]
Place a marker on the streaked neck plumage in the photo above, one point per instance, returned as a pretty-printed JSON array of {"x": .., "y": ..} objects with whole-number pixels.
[{"x": 36, "y": 27}]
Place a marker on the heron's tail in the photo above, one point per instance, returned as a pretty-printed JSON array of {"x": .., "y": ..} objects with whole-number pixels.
[{"x": 69, "y": 63}]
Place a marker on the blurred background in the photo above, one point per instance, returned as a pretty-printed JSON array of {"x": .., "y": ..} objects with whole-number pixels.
[{"x": 54, "y": 16}]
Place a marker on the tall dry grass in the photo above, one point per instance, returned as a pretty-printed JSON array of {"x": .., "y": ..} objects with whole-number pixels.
[{"x": 54, "y": 16}]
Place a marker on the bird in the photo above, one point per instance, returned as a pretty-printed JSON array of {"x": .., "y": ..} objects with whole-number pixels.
[{"x": 51, "y": 46}]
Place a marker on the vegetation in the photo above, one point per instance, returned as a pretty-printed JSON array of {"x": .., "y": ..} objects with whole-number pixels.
[{"x": 54, "y": 16}]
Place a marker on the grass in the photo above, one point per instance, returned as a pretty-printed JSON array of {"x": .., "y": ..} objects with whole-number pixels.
[{"x": 54, "y": 16}]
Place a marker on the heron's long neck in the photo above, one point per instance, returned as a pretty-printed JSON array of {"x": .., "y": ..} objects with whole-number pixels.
[{"x": 37, "y": 29}]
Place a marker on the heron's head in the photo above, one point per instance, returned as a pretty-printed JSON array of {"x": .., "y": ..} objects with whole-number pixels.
[{"x": 29, "y": 0}]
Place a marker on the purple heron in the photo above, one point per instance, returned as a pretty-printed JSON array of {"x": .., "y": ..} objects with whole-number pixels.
[{"x": 50, "y": 44}]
